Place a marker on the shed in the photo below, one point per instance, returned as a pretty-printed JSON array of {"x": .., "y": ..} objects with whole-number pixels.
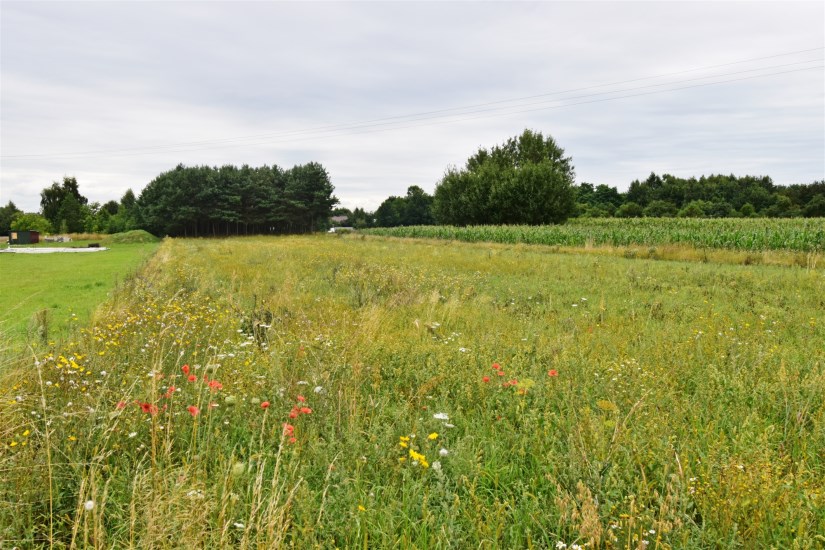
[{"x": 24, "y": 237}]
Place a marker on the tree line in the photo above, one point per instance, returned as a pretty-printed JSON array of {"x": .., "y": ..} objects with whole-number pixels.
[
  {"x": 191, "y": 201},
  {"x": 529, "y": 180}
]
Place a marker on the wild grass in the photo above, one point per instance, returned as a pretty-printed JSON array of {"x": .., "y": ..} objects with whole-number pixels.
[{"x": 339, "y": 392}]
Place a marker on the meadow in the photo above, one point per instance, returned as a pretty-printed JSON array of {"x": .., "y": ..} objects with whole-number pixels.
[{"x": 340, "y": 391}]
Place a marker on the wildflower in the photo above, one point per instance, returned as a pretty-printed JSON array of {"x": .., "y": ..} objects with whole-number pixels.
[
  {"x": 89, "y": 505},
  {"x": 496, "y": 366},
  {"x": 292, "y": 440},
  {"x": 192, "y": 378},
  {"x": 185, "y": 369},
  {"x": 485, "y": 379},
  {"x": 319, "y": 390},
  {"x": 361, "y": 508},
  {"x": 500, "y": 373},
  {"x": 436, "y": 465},
  {"x": 265, "y": 405},
  {"x": 433, "y": 436},
  {"x": 294, "y": 412},
  {"x": 214, "y": 385},
  {"x": 72, "y": 438},
  {"x": 552, "y": 372},
  {"x": 193, "y": 410},
  {"x": 132, "y": 434},
  {"x": 306, "y": 410},
  {"x": 443, "y": 452},
  {"x": 301, "y": 398},
  {"x": 148, "y": 408},
  {"x": 121, "y": 404},
  {"x": 289, "y": 429},
  {"x": 441, "y": 416}
]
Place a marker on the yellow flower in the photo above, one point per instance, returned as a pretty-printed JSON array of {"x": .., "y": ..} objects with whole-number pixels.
[
  {"x": 433, "y": 436},
  {"x": 26, "y": 433},
  {"x": 72, "y": 438},
  {"x": 361, "y": 508},
  {"x": 13, "y": 444}
]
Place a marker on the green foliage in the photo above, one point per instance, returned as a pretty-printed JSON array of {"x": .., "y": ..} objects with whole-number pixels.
[
  {"x": 629, "y": 210},
  {"x": 660, "y": 209},
  {"x": 816, "y": 207},
  {"x": 7, "y": 214},
  {"x": 201, "y": 201},
  {"x": 131, "y": 237},
  {"x": 30, "y": 222},
  {"x": 803, "y": 235},
  {"x": 62, "y": 204},
  {"x": 639, "y": 403},
  {"x": 525, "y": 180},
  {"x": 413, "y": 209}
]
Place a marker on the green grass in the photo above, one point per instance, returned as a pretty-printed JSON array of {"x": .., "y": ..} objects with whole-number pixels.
[
  {"x": 68, "y": 287},
  {"x": 674, "y": 403}
]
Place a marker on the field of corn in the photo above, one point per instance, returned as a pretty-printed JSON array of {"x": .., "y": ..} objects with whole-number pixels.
[
  {"x": 757, "y": 234},
  {"x": 341, "y": 391}
]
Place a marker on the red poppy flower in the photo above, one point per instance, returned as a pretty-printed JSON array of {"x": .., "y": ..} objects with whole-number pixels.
[
  {"x": 293, "y": 413},
  {"x": 185, "y": 369},
  {"x": 496, "y": 366},
  {"x": 215, "y": 385},
  {"x": 193, "y": 410},
  {"x": 485, "y": 379},
  {"x": 301, "y": 398},
  {"x": 552, "y": 372},
  {"x": 265, "y": 405},
  {"x": 289, "y": 429},
  {"x": 306, "y": 410},
  {"x": 192, "y": 378},
  {"x": 500, "y": 373},
  {"x": 292, "y": 440},
  {"x": 148, "y": 408},
  {"x": 121, "y": 404}
]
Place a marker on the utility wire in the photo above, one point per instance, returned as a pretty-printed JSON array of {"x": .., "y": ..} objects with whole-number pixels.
[{"x": 432, "y": 117}]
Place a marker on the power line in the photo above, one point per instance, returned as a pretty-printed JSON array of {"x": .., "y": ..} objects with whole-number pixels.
[{"x": 435, "y": 116}]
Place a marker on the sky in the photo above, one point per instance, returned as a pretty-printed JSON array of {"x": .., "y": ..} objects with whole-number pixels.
[{"x": 390, "y": 94}]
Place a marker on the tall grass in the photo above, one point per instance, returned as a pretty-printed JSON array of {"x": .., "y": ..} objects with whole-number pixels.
[
  {"x": 348, "y": 392},
  {"x": 797, "y": 234}
]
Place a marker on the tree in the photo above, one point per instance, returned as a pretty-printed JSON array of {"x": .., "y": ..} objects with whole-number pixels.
[
  {"x": 7, "y": 214},
  {"x": 52, "y": 199},
  {"x": 30, "y": 221},
  {"x": 660, "y": 209},
  {"x": 815, "y": 207},
  {"x": 525, "y": 180},
  {"x": 630, "y": 210}
]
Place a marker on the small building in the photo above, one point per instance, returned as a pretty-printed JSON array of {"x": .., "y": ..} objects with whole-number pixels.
[{"x": 24, "y": 237}]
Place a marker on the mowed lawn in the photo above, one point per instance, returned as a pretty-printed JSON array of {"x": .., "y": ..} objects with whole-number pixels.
[
  {"x": 329, "y": 391},
  {"x": 69, "y": 286}
]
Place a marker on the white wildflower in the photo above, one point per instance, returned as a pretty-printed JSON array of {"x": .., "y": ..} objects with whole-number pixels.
[
  {"x": 443, "y": 452},
  {"x": 441, "y": 416},
  {"x": 89, "y": 505}
]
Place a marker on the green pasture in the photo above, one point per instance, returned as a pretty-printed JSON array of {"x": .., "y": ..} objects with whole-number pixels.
[
  {"x": 56, "y": 291},
  {"x": 348, "y": 391}
]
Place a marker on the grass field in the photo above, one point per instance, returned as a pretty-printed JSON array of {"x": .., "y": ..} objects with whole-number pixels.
[
  {"x": 336, "y": 391},
  {"x": 44, "y": 294}
]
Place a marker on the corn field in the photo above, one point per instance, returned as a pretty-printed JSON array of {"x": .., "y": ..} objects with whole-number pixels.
[{"x": 758, "y": 234}]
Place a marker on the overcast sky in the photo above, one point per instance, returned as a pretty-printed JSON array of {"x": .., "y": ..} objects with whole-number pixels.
[{"x": 388, "y": 95}]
